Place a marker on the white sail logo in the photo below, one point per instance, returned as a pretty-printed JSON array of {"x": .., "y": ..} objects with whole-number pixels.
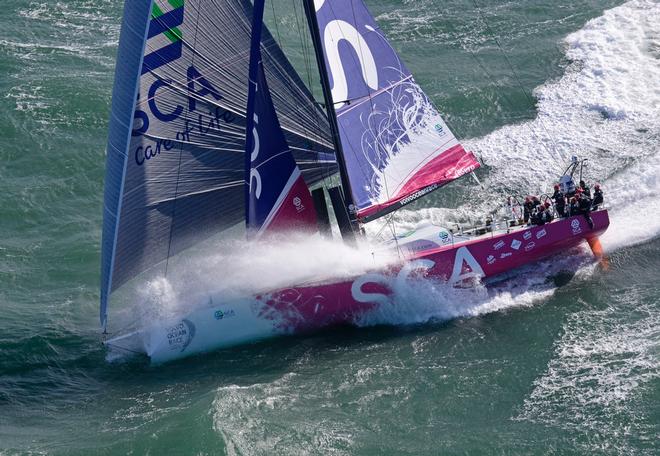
[
  {"x": 254, "y": 172},
  {"x": 335, "y": 32}
]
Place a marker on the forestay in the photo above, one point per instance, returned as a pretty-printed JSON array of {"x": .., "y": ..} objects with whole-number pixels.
[
  {"x": 176, "y": 150},
  {"x": 395, "y": 144}
]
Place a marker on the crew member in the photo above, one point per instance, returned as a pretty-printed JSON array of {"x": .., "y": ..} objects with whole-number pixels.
[
  {"x": 560, "y": 201},
  {"x": 573, "y": 208},
  {"x": 598, "y": 198},
  {"x": 585, "y": 189},
  {"x": 584, "y": 207},
  {"x": 528, "y": 209},
  {"x": 543, "y": 214},
  {"x": 547, "y": 216},
  {"x": 537, "y": 216}
]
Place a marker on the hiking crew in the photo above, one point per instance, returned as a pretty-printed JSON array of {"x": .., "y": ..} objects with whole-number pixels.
[{"x": 598, "y": 198}]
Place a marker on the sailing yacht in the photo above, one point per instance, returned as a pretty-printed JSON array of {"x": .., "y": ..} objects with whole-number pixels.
[{"x": 211, "y": 127}]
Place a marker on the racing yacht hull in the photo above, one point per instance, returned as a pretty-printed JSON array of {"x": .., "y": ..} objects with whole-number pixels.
[{"x": 306, "y": 308}]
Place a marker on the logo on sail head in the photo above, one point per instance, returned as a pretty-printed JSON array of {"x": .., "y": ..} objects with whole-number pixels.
[{"x": 298, "y": 204}]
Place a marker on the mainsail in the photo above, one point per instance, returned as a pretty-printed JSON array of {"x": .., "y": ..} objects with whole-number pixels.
[
  {"x": 176, "y": 149},
  {"x": 396, "y": 147}
]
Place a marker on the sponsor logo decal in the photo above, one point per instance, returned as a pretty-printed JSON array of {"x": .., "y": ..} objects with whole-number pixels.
[
  {"x": 297, "y": 202},
  {"x": 180, "y": 335},
  {"x": 575, "y": 226},
  {"x": 491, "y": 259},
  {"x": 506, "y": 254},
  {"x": 530, "y": 246},
  {"x": 444, "y": 237},
  {"x": 541, "y": 233},
  {"x": 498, "y": 245},
  {"x": 515, "y": 244},
  {"x": 527, "y": 236},
  {"x": 440, "y": 130},
  {"x": 418, "y": 194},
  {"x": 220, "y": 314}
]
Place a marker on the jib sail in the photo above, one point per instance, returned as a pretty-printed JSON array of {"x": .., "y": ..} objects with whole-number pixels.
[{"x": 277, "y": 197}]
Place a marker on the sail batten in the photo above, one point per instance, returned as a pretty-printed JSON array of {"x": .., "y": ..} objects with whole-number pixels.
[{"x": 395, "y": 144}]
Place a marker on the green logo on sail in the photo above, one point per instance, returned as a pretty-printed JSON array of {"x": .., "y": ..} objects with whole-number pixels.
[
  {"x": 165, "y": 21},
  {"x": 173, "y": 17}
]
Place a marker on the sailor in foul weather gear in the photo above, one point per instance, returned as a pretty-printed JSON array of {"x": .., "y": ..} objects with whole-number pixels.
[
  {"x": 598, "y": 198},
  {"x": 573, "y": 207},
  {"x": 560, "y": 201},
  {"x": 542, "y": 215},
  {"x": 584, "y": 206},
  {"x": 528, "y": 209},
  {"x": 546, "y": 216},
  {"x": 585, "y": 188}
]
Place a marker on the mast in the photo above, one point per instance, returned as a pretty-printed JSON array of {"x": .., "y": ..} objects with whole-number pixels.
[{"x": 310, "y": 12}]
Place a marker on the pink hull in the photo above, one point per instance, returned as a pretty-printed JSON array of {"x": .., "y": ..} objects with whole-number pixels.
[{"x": 304, "y": 308}]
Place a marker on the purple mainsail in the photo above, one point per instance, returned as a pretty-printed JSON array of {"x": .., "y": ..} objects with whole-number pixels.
[{"x": 395, "y": 144}]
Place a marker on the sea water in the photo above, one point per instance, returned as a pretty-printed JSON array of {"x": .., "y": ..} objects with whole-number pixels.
[{"x": 542, "y": 362}]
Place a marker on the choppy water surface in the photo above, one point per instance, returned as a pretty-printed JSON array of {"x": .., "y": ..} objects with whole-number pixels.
[{"x": 524, "y": 367}]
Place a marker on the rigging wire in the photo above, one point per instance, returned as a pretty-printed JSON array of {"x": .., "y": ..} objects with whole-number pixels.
[
  {"x": 515, "y": 74},
  {"x": 502, "y": 94},
  {"x": 178, "y": 173},
  {"x": 319, "y": 118}
]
